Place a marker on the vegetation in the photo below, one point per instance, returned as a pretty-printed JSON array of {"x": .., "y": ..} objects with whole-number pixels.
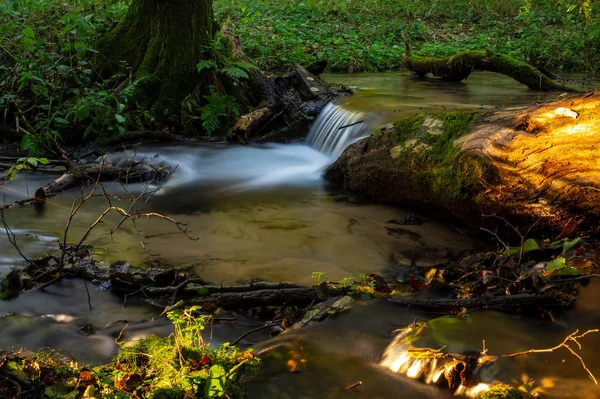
[
  {"x": 57, "y": 88},
  {"x": 180, "y": 365},
  {"x": 363, "y": 35},
  {"x": 425, "y": 146},
  {"x": 76, "y": 72}
]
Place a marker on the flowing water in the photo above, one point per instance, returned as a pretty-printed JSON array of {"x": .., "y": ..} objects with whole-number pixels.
[{"x": 265, "y": 212}]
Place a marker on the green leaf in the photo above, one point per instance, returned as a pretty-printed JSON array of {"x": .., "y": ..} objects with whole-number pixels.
[
  {"x": 43, "y": 161},
  {"x": 206, "y": 64},
  {"x": 235, "y": 73},
  {"x": 28, "y": 37},
  {"x": 530, "y": 245},
  {"x": 556, "y": 264},
  {"x": 568, "y": 245},
  {"x": 120, "y": 118},
  {"x": 215, "y": 384},
  {"x": 559, "y": 267}
]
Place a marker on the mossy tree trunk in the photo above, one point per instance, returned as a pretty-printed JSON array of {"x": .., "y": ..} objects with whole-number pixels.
[
  {"x": 163, "y": 40},
  {"x": 536, "y": 166},
  {"x": 458, "y": 67}
]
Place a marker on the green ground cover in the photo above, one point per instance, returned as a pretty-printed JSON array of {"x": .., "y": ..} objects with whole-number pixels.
[{"x": 369, "y": 35}]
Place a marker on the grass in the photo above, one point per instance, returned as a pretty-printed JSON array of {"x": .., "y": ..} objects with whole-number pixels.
[{"x": 369, "y": 35}]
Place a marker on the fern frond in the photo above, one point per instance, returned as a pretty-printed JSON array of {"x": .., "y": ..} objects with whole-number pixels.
[
  {"x": 206, "y": 64},
  {"x": 234, "y": 73}
]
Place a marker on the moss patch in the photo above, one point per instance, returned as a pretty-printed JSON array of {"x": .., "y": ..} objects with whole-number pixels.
[
  {"x": 432, "y": 163},
  {"x": 500, "y": 391}
]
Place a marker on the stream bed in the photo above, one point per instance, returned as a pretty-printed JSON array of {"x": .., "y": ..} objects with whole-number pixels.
[{"x": 264, "y": 212}]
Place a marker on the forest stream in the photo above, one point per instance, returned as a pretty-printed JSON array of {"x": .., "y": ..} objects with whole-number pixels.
[{"x": 264, "y": 212}]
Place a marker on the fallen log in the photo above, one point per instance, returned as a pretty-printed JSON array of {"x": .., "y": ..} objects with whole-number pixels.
[
  {"x": 530, "y": 166},
  {"x": 458, "y": 67},
  {"x": 250, "y": 299},
  {"x": 81, "y": 174},
  {"x": 214, "y": 289},
  {"x": 505, "y": 303}
]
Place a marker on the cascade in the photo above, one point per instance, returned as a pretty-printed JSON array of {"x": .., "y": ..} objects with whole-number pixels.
[{"x": 335, "y": 129}]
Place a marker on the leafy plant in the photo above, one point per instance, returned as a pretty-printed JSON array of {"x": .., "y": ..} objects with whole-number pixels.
[
  {"x": 218, "y": 108},
  {"x": 23, "y": 164},
  {"x": 316, "y": 276},
  {"x": 182, "y": 362}
]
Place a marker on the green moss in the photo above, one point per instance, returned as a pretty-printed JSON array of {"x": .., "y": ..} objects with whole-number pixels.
[
  {"x": 434, "y": 167},
  {"x": 458, "y": 67},
  {"x": 500, "y": 391},
  {"x": 408, "y": 128}
]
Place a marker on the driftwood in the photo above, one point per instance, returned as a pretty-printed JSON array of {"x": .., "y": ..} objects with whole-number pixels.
[
  {"x": 505, "y": 302},
  {"x": 458, "y": 67},
  {"x": 140, "y": 172},
  {"x": 535, "y": 166}
]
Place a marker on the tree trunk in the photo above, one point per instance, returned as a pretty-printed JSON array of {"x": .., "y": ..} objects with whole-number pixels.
[
  {"x": 531, "y": 165},
  {"x": 458, "y": 67},
  {"x": 163, "y": 41}
]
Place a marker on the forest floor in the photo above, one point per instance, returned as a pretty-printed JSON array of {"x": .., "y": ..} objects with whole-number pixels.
[{"x": 362, "y": 35}]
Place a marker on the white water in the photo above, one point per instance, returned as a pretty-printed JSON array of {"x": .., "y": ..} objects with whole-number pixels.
[
  {"x": 234, "y": 169},
  {"x": 335, "y": 129}
]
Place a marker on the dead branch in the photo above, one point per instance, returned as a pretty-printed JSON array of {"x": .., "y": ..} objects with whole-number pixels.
[
  {"x": 244, "y": 335},
  {"x": 11, "y": 236},
  {"x": 504, "y": 302},
  {"x": 565, "y": 344}
]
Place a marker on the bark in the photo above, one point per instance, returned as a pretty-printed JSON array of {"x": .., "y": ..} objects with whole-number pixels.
[
  {"x": 458, "y": 67},
  {"x": 533, "y": 165},
  {"x": 162, "y": 40},
  {"x": 505, "y": 303},
  {"x": 293, "y": 97},
  {"x": 80, "y": 175}
]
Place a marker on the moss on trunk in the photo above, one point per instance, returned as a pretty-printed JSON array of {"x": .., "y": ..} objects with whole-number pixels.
[
  {"x": 162, "y": 40},
  {"x": 458, "y": 67},
  {"x": 534, "y": 165}
]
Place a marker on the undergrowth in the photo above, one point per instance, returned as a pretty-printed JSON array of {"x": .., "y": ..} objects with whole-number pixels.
[
  {"x": 364, "y": 35},
  {"x": 180, "y": 365},
  {"x": 52, "y": 93}
]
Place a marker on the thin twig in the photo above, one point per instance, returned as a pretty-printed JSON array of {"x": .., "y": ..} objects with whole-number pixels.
[
  {"x": 11, "y": 236},
  {"x": 571, "y": 337},
  {"x": 244, "y": 335}
]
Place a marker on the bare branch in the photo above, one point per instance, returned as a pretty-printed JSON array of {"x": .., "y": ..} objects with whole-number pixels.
[{"x": 571, "y": 337}]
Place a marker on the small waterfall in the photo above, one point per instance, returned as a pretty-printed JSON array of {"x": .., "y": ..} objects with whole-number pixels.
[{"x": 335, "y": 129}]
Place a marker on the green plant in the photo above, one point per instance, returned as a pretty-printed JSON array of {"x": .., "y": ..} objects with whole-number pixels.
[
  {"x": 370, "y": 35},
  {"x": 23, "y": 164},
  {"x": 316, "y": 276},
  {"x": 217, "y": 109},
  {"x": 180, "y": 363}
]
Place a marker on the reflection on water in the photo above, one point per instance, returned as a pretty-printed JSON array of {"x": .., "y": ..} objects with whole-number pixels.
[
  {"x": 391, "y": 94},
  {"x": 257, "y": 212}
]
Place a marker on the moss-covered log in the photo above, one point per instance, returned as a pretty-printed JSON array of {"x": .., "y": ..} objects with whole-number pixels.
[
  {"x": 458, "y": 67},
  {"x": 162, "y": 40},
  {"x": 530, "y": 164}
]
